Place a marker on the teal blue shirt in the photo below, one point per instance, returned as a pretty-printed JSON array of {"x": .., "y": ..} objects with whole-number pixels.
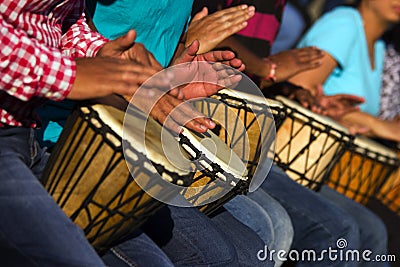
[
  {"x": 341, "y": 34},
  {"x": 159, "y": 23}
]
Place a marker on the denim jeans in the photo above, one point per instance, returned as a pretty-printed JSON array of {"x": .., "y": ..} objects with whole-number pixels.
[
  {"x": 318, "y": 223},
  {"x": 136, "y": 250},
  {"x": 373, "y": 234},
  {"x": 190, "y": 238},
  {"x": 34, "y": 231},
  {"x": 246, "y": 242},
  {"x": 266, "y": 217}
]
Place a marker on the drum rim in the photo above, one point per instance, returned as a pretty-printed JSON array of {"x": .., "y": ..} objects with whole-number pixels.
[
  {"x": 114, "y": 124},
  {"x": 251, "y": 98},
  {"x": 373, "y": 146},
  {"x": 233, "y": 170},
  {"x": 321, "y": 118}
]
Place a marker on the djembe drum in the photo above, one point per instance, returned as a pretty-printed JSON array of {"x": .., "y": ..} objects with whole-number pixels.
[
  {"x": 220, "y": 173},
  {"x": 246, "y": 124},
  {"x": 307, "y": 144},
  {"x": 94, "y": 184},
  {"x": 389, "y": 194},
  {"x": 362, "y": 169}
]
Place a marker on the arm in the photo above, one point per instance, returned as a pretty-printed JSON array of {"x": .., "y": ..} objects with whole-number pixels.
[
  {"x": 254, "y": 64},
  {"x": 313, "y": 78},
  {"x": 389, "y": 130},
  {"x": 288, "y": 63},
  {"x": 30, "y": 68},
  {"x": 81, "y": 41}
]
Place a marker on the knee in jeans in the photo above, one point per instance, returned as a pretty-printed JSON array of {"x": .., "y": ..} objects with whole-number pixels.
[
  {"x": 377, "y": 231},
  {"x": 347, "y": 228},
  {"x": 226, "y": 254}
]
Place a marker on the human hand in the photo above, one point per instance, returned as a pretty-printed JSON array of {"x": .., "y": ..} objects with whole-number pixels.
[
  {"x": 294, "y": 61},
  {"x": 382, "y": 129},
  {"x": 222, "y": 56},
  {"x": 212, "y": 29},
  {"x": 172, "y": 112},
  {"x": 356, "y": 128},
  {"x": 102, "y": 76},
  {"x": 336, "y": 106},
  {"x": 201, "y": 78},
  {"x": 126, "y": 48},
  {"x": 301, "y": 95},
  {"x": 294, "y": 92}
]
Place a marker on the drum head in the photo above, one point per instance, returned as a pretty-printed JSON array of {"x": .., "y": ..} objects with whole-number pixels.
[
  {"x": 145, "y": 134},
  {"x": 259, "y": 99},
  {"x": 217, "y": 152},
  {"x": 376, "y": 150},
  {"x": 302, "y": 111}
]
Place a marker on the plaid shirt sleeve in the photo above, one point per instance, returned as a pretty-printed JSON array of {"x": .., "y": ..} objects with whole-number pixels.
[
  {"x": 30, "y": 68},
  {"x": 81, "y": 41}
]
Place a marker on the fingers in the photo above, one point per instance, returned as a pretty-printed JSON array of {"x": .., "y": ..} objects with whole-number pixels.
[
  {"x": 189, "y": 53},
  {"x": 124, "y": 42},
  {"x": 308, "y": 57},
  {"x": 356, "y": 128},
  {"x": 305, "y": 98},
  {"x": 229, "y": 82},
  {"x": 172, "y": 113},
  {"x": 200, "y": 15},
  {"x": 223, "y": 56},
  {"x": 236, "y": 64},
  {"x": 212, "y": 29},
  {"x": 309, "y": 53},
  {"x": 337, "y": 113},
  {"x": 177, "y": 93},
  {"x": 349, "y": 99},
  {"x": 233, "y": 19},
  {"x": 230, "y": 14},
  {"x": 218, "y": 74}
]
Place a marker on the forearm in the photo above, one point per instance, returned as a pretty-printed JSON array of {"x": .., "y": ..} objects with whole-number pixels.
[
  {"x": 254, "y": 64},
  {"x": 313, "y": 78},
  {"x": 377, "y": 127}
]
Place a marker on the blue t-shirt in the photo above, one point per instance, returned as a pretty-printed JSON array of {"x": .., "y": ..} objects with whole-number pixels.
[
  {"x": 159, "y": 23},
  {"x": 341, "y": 34}
]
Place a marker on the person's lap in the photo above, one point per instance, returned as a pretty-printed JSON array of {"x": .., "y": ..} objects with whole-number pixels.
[
  {"x": 34, "y": 231},
  {"x": 136, "y": 250},
  {"x": 373, "y": 234},
  {"x": 246, "y": 242},
  {"x": 190, "y": 238},
  {"x": 33, "y": 226},
  {"x": 318, "y": 223},
  {"x": 264, "y": 215}
]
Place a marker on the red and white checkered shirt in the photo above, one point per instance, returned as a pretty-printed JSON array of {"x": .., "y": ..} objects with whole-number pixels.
[{"x": 38, "y": 43}]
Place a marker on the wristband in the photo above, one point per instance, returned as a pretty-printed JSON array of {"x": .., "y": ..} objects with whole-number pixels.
[{"x": 272, "y": 71}]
